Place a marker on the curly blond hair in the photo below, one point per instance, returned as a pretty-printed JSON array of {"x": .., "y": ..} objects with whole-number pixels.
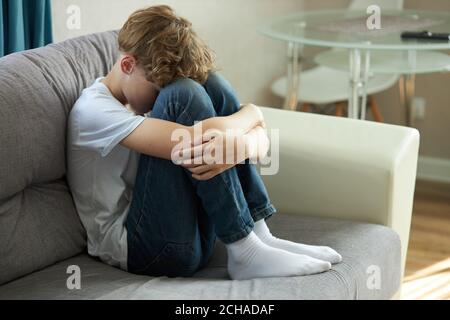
[{"x": 166, "y": 46}]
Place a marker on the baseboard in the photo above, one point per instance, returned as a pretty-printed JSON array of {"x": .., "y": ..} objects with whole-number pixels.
[{"x": 433, "y": 169}]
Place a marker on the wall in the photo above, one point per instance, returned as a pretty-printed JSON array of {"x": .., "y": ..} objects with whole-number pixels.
[
  {"x": 435, "y": 128},
  {"x": 251, "y": 62}
]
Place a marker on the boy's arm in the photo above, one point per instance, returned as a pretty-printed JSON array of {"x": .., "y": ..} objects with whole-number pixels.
[
  {"x": 247, "y": 118},
  {"x": 154, "y": 136}
]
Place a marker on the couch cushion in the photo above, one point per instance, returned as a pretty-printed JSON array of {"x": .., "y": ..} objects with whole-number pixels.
[
  {"x": 38, "y": 222},
  {"x": 361, "y": 245}
]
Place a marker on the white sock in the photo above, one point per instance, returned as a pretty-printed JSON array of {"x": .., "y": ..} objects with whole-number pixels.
[
  {"x": 318, "y": 252},
  {"x": 251, "y": 258}
]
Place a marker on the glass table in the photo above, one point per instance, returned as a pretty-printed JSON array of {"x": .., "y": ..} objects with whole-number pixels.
[{"x": 362, "y": 51}]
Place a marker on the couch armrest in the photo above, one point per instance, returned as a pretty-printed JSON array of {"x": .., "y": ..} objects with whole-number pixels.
[{"x": 345, "y": 168}]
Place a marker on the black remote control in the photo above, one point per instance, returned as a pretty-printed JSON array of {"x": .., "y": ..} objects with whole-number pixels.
[{"x": 426, "y": 35}]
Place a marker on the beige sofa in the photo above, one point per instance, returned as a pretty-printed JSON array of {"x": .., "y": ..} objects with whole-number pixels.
[{"x": 345, "y": 168}]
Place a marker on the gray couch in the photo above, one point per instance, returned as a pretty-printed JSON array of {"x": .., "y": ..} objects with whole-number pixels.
[{"x": 332, "y": 190}]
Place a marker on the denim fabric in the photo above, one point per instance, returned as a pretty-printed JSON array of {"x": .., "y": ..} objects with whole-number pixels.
[{"x": 174, "y": 220}]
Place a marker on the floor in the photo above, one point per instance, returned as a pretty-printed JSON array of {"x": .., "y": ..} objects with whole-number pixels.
[{"x": 427, "y": 273}]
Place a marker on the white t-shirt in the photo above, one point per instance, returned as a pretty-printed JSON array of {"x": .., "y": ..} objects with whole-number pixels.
[{"x": 101, "y": 172}]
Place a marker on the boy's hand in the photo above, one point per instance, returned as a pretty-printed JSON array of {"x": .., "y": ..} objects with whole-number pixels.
[
  {"x": 256, "y": 113},
  {"x": 214, "y": 153},
  {"x": 207, "y": 171},
  {"x": 217, "y": 152}
]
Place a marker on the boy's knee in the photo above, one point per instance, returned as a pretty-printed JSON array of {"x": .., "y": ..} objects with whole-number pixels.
[
  {"x": 223, "y": 94},
  {"x": 184, "y": 101},
  {"x": 183, "y": 85},
  {"x": 218, "y": 82}
]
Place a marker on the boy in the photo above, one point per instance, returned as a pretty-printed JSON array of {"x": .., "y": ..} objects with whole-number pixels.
[{"x": 146, "y": 214}]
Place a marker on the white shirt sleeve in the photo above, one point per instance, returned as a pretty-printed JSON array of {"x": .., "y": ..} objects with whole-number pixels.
[{"x": 102, "y": 123}]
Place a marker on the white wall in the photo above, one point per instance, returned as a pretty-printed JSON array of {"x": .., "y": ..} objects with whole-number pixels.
[{"x": 249, "y": 61}]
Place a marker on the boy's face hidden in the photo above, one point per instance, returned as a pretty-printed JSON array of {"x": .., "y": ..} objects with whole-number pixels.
[{"x": 140, "y": 93}]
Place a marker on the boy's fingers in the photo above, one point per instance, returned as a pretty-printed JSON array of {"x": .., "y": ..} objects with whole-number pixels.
[
  {"x": 198, "y": 140},
  {"x": 195, "y": 152},
  {"x": 188, "y": 154},
  {"x": 201, "y": 169},
  {"x": 192, "y": 163},
  {"x": 204, "y": 177},
  {"x": 211, "y": 134},
  {"x": 207, "y": 175},
  {"x": 189, "y": 165},
  {"x": 196, "y": 177}
]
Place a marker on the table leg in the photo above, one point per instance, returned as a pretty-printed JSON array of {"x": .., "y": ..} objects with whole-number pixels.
[
  {"x": 408, "y": 88},
  {"x": 293, "y": 75},
  {"x": 359, "y": 76},
  {"x": 365, "y": 80},
  {"x": 355, "y": 83},
  {"x": 407, "y": 85}
]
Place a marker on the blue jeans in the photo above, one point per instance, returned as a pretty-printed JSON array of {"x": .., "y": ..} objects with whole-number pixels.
[{"x": 174, "y": 219}]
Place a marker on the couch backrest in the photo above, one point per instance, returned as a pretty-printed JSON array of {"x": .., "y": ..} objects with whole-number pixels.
[{"x": 38, "y": 222}]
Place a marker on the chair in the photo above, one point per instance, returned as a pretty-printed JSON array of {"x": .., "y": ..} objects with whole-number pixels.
[{"x": 322, "y": 85}]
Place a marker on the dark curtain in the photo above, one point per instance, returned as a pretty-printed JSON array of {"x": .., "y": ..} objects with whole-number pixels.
[{"x": 24, "y": 24}]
